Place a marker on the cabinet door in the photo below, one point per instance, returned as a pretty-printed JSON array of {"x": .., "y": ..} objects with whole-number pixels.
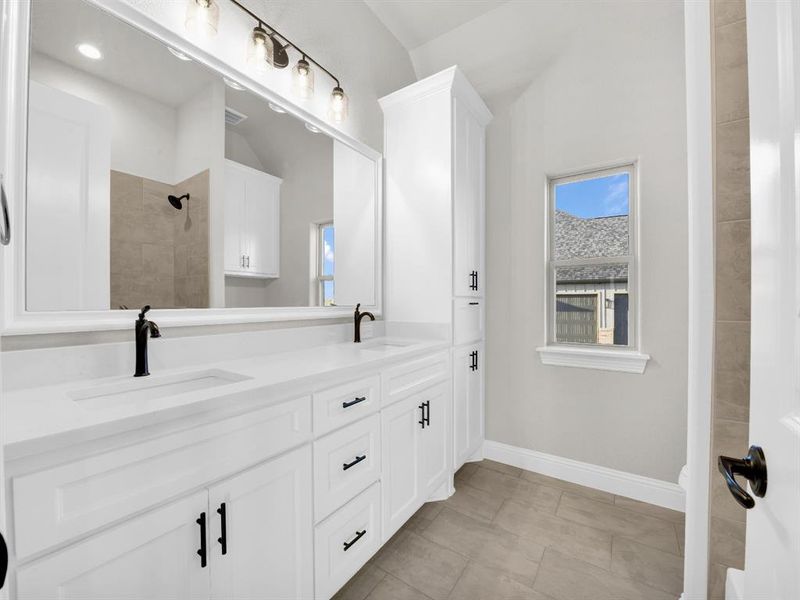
[
  {"x": 467, "y": 402},
  {"x": 468, "y": 198},
  {"x": 151, "y": 556},
  {"x": 435, "y": 444},
  {"x": 401, "y": 451},
  {"x": 268, "y": 536},
  {"x": 235, "y": 194},
  {"x": 262, "y": 238}
]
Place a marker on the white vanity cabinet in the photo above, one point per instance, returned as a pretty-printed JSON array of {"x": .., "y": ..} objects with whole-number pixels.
[
  {"x": 252, "y": 222},
  {"x": 434, "y": 145}
]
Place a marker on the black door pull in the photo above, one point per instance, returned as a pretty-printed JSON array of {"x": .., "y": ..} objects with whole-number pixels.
[
  {"x": 357, "y": 460},
  {"x": 422, "y": 418},
  {"x": 222, "y": 511},
  {"x": 353, "y": 402},
  {"x": 3, "y": 560},
  {"x": 752, "y": 467},
  {"x": 359, "y": 535},
  {"x": 202, "y": 551}
]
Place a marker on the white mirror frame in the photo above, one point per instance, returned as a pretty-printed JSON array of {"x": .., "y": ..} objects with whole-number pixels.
[{"x": 14, "y": 72}]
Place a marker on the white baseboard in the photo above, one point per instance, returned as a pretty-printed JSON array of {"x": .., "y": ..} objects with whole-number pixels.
[{"x": 645, "y": 489}]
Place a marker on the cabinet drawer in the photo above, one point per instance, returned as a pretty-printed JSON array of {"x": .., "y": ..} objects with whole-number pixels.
[
  {"x": 345, "y": 403},
  {"x": 467, "y": 320},
  {"x": 345, "y": 463},
  {"x": 60, "y": 503},
  {"x": 345, "y": 541},
  {"x": 402, "y": 381}
]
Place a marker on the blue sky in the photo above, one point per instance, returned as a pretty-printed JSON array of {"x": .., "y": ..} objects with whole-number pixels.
[
  {"x": 327, "y": 250},
  {"x": 599, "y": 197}
]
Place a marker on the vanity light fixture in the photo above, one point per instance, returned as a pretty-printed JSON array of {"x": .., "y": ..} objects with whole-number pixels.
[
  {"x": 278, "y": 109},
  {"x": 311, "y": 128},
  {"x": 303, "y": 79},
  {"x": 178, "y": 54},
  {"x": 339, "y": 105},
  {"x": 234, "y": 85},
  {"x": 268, "y": 43},
  {"x": 202, "y": 17},
  {"x": 89, "y": 51}
]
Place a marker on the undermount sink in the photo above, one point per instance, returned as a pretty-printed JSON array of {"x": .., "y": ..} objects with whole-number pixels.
[
  {"x": 384, "y": 345},
  {"x": 151, "y": 388}
]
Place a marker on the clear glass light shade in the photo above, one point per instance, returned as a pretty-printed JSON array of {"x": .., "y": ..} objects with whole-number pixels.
[
  {"x": 259, "y": 50},
  {"x": 202, "y": 17},
  {"x": 303, "y": 79},
  {"x": 338, "y": 106}
]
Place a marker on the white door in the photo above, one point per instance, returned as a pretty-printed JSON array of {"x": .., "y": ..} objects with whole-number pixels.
[
  {"x": 467, "y": 402},
  {"x": 235, "y": 193},
  {"x": 402, "y": 454},
  {"x": 153, "y": 556},
  {"x": 467, "y": 203},
  {"x": 266, "y": 514},
  {"x": 69, "y": 183},
  {"x": 435, "y": 438},
  {"x": 772, "y": 565},
  {"x": 355, "y": 206},
  {"x": 262, "y": 224}
]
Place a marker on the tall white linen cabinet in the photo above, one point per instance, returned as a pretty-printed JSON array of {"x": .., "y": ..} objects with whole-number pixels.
[{"x": 434, "y": 148}]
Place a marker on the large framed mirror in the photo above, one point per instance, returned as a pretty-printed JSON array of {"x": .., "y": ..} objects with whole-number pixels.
[{"x": 156, "y": 175}]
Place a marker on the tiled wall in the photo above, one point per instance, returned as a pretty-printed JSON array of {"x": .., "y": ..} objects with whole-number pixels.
[
  {"x": 159, "y": 255},
  {"x": 732, "y": 343}
]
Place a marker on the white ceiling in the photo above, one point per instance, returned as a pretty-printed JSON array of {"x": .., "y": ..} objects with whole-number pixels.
[
  {"x": 416, "y": 22},
  {"x": 131, "y": 58}
]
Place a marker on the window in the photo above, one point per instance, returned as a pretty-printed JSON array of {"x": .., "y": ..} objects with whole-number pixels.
[
  {"x": 592, "y": 258},
  {"x": 325, "y": 265}
]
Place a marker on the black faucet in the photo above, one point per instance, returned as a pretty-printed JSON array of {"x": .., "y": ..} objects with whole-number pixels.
[
  {"x": 357, "y": 316},
  {"x": 144, "y": 329}
]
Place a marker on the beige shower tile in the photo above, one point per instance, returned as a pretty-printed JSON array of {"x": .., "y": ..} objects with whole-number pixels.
[
  {"x": 727, "y": 541},
  {"x": 158, "y": 260},
  {"x": 733, "y": 171},
  {"x": 733, "y": 271},
  {"x": 732, "y": 371},
  {"x": 728, "y": 11},
  {"x": 730, "y": 47}
]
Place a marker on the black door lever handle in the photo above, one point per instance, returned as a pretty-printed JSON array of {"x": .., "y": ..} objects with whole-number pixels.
[{"x": 752, "y": 467}]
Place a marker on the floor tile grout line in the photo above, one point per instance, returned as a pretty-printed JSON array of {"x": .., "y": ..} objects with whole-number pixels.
[{"x": 460, "y": 575}]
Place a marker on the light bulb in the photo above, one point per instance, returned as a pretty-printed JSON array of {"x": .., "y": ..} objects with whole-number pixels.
[
  {"x": 339, "y": 105},
  {"x": 259, "y": 50},
  {"x": 202, "y": 17},
  {"x": 89, "y": 51},
  {"x": 303, "y": 79}
]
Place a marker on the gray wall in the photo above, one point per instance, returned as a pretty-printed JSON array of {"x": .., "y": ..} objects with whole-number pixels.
[{"x": 607, "y": 98}]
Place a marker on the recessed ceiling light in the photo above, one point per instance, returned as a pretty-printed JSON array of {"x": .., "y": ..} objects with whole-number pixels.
[
  {"x": 276, "y": 108},
  {"x": 178, "y": 54},
  {"x": 234, "y": 85},
  {"x": 89, "y": 51},
  {"x": 311, "y": 128}
]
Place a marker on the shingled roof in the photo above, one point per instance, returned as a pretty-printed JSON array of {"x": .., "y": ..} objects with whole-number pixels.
[{"x": 576, "y": 237}]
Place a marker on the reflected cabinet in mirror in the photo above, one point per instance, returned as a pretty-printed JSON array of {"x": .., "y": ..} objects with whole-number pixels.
[{"x": 154, "y": 180}]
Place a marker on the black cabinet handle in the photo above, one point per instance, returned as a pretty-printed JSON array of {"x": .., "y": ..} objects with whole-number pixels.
[
  {"x": 359, "y": 535},
  {"x": 473, "y": 281},
  {"x": 223, "y": 527},
  {"x": 202, "y": 552},
  {"x": 473, "y": 365},
  {"x": 353, "y": 402},
  {"x": 752, "y": 467},
  {"x": 474, "y": 303},
  {"x": 422, "y": 418},
  {"x": 357, "y": 460}
]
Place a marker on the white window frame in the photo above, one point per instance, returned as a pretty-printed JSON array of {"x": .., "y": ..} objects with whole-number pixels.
[
  {"x": 628, "y": 358},
  {"x": 320, "y": 278}
]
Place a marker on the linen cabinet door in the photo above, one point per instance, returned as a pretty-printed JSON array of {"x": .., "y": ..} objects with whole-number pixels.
[
  {"x": 468, "y": 176},
  {"x": 263, "y": 224},
  {"x": 401, "y": 426},
  {"x": 435, "y": 446},
  {"x": 153, "y": 556},
  {"x": 235, "y": 195},
  {"x": 261, "y": 531},
  {"x": 467, "y": 402}
]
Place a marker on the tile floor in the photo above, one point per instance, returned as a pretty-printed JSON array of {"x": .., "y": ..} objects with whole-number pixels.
[{"x": 512, "y": 534}]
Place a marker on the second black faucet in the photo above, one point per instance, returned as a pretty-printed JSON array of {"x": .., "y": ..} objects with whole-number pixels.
[{"x": 357, "y": 316}]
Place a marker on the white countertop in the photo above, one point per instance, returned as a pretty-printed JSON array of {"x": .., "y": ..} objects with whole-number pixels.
[{"x": 44, "y": 418}]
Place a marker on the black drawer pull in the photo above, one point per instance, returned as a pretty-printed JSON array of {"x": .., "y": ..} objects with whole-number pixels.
[
  {"x": 202, "y": 551},
  {"x": 357, "y": 460},
  {"x": 474, "y": 303},
  {"x": 223, "y": 528},
  {"x": 353, "y": 402},
  {"x": 359, "y": 535},
  {"x": 422, "y": 418}
]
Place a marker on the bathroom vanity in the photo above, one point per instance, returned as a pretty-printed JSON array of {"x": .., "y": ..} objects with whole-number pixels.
[{"x": 248, "y": 464}]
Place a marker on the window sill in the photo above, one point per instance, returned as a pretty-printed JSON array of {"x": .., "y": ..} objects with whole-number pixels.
[{"x": 624, "y": 361}]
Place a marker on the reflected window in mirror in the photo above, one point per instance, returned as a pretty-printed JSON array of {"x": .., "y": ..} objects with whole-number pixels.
[{"x": 325, "y": 261}]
